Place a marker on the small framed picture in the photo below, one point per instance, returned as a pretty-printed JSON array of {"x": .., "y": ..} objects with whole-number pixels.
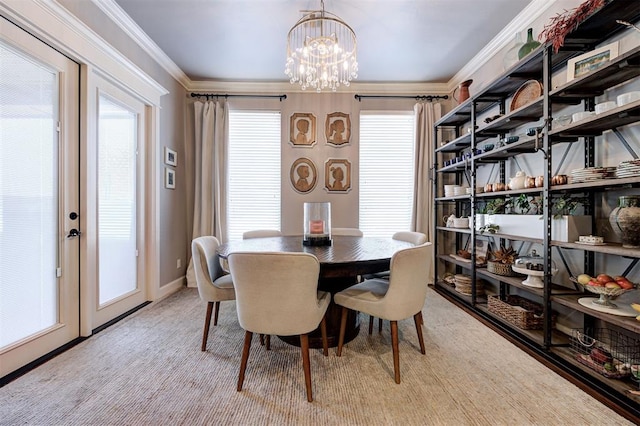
[
  {"x": 303, "y": 175},
  {"x": 302, "y": 129},
  {"x": 338, "y": 129},
  {"x": 337, "y": 175},
  {"x": 170, "y": 157},
  {"x": 169, "y": 178},
  {"x": 590, "y": 61}
]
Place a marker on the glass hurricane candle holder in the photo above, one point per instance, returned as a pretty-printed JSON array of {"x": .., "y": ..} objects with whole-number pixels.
[{"x": 317, "y": 224}]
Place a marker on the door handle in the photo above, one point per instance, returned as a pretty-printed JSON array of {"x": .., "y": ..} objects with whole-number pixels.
[{"x": 74, "y": 233}]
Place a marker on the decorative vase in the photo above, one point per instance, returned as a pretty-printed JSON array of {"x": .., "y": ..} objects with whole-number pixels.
[
  {"x": 529, "y": 46},
  {"x": 511, "y": 57},
  {"x": 463, "y": 91},
  {"x": 625, "y": 220}
]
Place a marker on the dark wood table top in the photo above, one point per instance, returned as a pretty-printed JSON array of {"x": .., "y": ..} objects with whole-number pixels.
[{"x": 346, "y": 257}]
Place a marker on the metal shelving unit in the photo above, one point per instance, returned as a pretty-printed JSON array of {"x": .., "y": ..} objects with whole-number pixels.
[{"x": 548, "y": 343}]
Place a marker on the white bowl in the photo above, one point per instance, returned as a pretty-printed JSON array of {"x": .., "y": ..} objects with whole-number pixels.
[
  {"x": 605, "y": 106},
  {"x": 582, "y": 115},
  {"x": 627, "y": 98}
]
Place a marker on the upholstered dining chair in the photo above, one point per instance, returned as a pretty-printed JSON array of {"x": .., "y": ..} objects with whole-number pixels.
[
  {"x": 349, "y": 232},
  {"x": 402, "y": 297},
  {"x": 415, "y": 238},
  {"x": 213, "y": 285},
  {"x": 261, "y": 233},
  {"x": 277, "y": 293}
]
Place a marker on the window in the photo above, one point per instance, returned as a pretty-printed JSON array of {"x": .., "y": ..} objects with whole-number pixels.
[
  {"x": 386, "y": 172},
  {"x": 254, "y": 171}
]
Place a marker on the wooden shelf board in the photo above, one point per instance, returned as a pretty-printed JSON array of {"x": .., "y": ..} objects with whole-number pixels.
[
  {"x": 610, "y": 248},
  {"x": 451, "y": 289},
  {"x": 601, "y": 184},
  {"x": 596, "y": 125},
  {"x": 457, "y": 230},
  {"x": 509, "y": 192},
  {"x": 571, "y": 301}
]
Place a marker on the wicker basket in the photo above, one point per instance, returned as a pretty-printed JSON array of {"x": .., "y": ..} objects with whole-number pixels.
[
  {"x": 498, "y": 268},
  {"x": 519, "y": 311},
  {"x": 463, "y": 285}
]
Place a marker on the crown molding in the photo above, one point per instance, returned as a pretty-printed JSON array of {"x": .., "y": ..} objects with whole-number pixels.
[
  {"x": 524, "y": 19},
  {"x": 133, "y": 30},
  {"x": 274, "y": 87}
]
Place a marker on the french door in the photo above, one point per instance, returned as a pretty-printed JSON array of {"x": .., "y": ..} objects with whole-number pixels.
[
  {"x": 39, "y": 199},
  {"x": 117, "y": 218}
]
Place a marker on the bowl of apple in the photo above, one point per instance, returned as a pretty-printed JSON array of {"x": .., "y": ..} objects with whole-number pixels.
[{"x": 606, "y": 286}]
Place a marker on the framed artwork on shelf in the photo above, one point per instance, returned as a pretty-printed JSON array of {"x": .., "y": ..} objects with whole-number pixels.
[
  {"x": 591, "y": 61},
  {"x": 338, "y": 129},
  {"x": 169, "y": 178},
  {"x": 303, "y": 175},
  {"x": 170, "y": 157},
  {"x": 302, "y": 129},
  {"x": 337, "y": 175}
]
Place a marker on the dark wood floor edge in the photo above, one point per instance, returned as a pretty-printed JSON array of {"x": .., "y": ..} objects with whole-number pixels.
[
  {"x": 54, "y": 353},
  {"x": 547, "y": 359}
]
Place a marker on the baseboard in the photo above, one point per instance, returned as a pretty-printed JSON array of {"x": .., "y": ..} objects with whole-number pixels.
[{"x": 168, "y": 289}]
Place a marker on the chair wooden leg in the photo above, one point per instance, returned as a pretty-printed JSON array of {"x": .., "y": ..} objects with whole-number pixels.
[
  {"x": 370, "y": 324},
  {"x": 379, "y": 325},
  {"x": 262, "y": 340},
  {"x": 417, "y": 318},
  {"x": 343, "y": 327},
  {"x": 323, "y": 332},
  {"x": 215, "y": 316},
  {"x": 396, "y": 350},
  {"x": 207, "y": 321},
  {"x": 268, "y": 340},
  {"x": 306, "y": 365},
  {"x": 245, "y": 356}
]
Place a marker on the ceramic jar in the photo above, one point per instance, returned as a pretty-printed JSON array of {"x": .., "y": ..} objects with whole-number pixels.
[
  {"x": 625, "y": 220},
  {"x": 463, "y": 91},
  {"x": 530, "y": 182},
  {"x": 529, "y": 46},
  {"x": 518, "y": 181}
]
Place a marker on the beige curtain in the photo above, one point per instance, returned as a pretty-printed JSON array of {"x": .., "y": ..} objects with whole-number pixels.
[
  {"x": 426, "y": 114},
  {"x": 209, "y": 173}
]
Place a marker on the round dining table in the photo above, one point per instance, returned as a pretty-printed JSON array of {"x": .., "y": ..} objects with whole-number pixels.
[{"x": 341, "y": 263}]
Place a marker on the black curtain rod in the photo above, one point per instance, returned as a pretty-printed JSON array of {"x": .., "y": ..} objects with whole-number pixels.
[
  {"x": 417, "y": 97},
  {"x": 219, "y": 95}
]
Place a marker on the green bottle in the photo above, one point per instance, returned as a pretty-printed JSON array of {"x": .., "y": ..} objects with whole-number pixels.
[{"x": 529, "y": 46}]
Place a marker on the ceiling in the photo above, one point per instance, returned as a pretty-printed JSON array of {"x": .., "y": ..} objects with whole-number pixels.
[{"x": 399, "y": 41}]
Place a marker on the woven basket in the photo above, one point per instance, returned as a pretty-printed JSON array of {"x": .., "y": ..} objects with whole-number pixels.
[
  {"x": 519, "y": 311},
  {"x": 463, "y": 285},
  {"x": 498, "y": 268}
]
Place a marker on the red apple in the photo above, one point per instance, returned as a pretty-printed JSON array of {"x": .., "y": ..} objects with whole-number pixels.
[
  {"x": 604, "y": 278},
  {"x": 595, "y": 283},
  {"x": 624, "y": 283}
]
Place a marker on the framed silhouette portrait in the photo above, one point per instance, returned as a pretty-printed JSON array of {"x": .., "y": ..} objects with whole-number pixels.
[
  {"x": 302, "y": 129},
  {"x": 303, "y": 175},
  {"x": 337, "y": 128},
  {"x": 337, "y": 175}
]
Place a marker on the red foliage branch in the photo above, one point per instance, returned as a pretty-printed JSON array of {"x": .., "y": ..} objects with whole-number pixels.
[{"x": 562, "y": 24}]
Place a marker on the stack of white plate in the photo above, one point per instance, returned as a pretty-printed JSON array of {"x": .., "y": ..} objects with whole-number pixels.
[
  {"x": 459, "y": 190},
  {"x": 627, "y": 169},
  {"x": 589, "y": 174},
  {"x": 449, "y": 190}
]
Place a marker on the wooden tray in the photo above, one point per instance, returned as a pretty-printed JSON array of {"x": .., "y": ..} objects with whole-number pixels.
[{"x": 527, "y": 93}]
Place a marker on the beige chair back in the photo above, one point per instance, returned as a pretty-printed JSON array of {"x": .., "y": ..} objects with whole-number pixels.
[
  {"x": 349, "y": 232},
  {"x": 207, "y": 267},
  {"x": 415, "y": 238},
  {"x": 277, "y": 293},
  {"x": 410, "y": 272},
  {"x": 261, "y": 233}
]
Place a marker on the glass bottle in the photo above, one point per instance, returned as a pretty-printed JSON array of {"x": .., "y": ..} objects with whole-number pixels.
[
  {"x": 529, "y": 46},
  {"x": 511, "y": 57}
]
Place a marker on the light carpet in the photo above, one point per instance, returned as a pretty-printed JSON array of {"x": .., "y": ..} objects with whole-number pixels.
[{"x": 148, "y": 370}]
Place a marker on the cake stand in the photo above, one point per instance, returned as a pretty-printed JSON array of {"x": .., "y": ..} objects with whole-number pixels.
[{"x": 534, "y": 278}]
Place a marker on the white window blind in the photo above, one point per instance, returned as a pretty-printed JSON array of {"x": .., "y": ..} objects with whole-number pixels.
[
  {"x": 386, "y": 172},
  {"x": 254, "y": 171}
]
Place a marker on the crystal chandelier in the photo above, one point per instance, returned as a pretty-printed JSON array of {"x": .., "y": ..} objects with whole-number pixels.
[{"x": 321, "y": 52}]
